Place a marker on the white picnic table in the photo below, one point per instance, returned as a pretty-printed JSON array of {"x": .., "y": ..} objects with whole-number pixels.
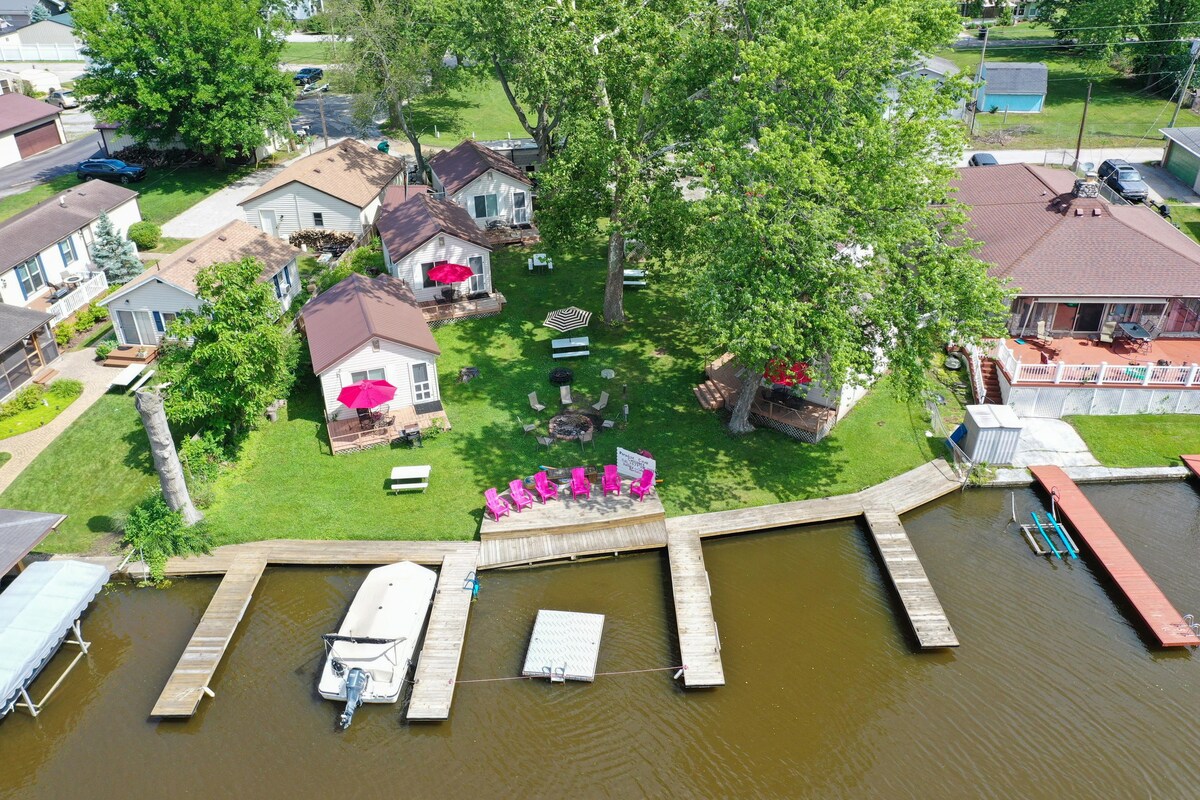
[
  {"x": 410, "y": 479},
  {"x": 127, "y": 375},
  {"x": 541, "y": 260},
  {"x": 570, "y": 347}
]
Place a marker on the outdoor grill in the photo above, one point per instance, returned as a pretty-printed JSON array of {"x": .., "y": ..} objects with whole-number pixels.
[{"x": 561, "y": 376}]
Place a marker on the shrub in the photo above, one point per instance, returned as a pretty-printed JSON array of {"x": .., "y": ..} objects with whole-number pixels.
[
  {"x": 85, "y": 319},
  {"x": 63, "y": 334},
  {"x": 65, "y": 387},
  {"x": 105, "y": 348},
  {"x": 367, "y": 260},
  {"x": 146, "y": 235},
  {"x": 27, "y": 399},
  {"x": 332, "y": 277},
  {"x": 158, "y": 533},
  {"x": 101, "y": 312},
  {"x": 317, "y": 23},
  {"x": 202, "y": 456}
]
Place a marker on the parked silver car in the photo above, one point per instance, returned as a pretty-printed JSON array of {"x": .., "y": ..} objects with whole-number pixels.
[{"x": 63, "y": 98}]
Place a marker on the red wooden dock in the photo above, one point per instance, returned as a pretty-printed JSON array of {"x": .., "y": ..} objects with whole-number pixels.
[
  {"x": 1192, "y": 463},
  {"x": 1156, "y": 610}
]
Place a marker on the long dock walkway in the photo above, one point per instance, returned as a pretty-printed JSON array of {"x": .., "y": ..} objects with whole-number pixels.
[
  {"x": 699, "y": 642},
  {"x": 437, "y": 666},
  {"x": 189, "y": 681},
  {"x": 1139, "y": 588}
]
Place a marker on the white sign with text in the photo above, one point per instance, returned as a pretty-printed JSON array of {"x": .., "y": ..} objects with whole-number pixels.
[{"x": 631, "y": 464}]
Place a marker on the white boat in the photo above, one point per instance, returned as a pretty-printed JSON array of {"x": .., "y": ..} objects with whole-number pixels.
[{"x": 368, "y": 659}]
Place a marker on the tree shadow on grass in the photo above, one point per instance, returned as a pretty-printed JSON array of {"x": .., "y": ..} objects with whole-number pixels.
[{"x": 442, "y": 113}]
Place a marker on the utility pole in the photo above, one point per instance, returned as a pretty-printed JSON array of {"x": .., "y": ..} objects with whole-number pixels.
[
  {"x": 1082, "y": 122},
  {"x": 321, "y": 105},
  {"x": 1186, "y": 81},
  {"x": 979, "y": 78}
]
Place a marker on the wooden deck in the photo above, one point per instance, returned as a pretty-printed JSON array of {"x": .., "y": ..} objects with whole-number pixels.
[
  {"x": 436, "y": 313},
  {"x": 1139, "y": 588},
  {"x": 526, "y": 550},
  {"x": 347, "y": 435},
  {"x": 1192, "y": 463},
  {"x": 437, "y": 666},
  {"x": 904, "y": 569},
  {"x": 570, "y": 515},
  {"x": 699, "y": 642},
  {"x": 305, "y": 552},
  {"x": 127, "y": 354},
  {"x": 192, "y": 675},
  {"x": 805, "y": 421}
]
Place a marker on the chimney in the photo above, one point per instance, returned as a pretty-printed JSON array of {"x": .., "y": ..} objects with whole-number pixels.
[{"x": 1087, "y": 187}]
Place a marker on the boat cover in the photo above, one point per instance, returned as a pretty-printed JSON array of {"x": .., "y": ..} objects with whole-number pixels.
[{"x": 37, "y": 611}]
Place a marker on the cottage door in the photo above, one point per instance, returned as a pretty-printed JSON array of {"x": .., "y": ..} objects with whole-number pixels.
[
  {"x": 266, "y": 221},
  {"x": 520, "y": 209},
  {"x": 422, "y": 387},
  {"x": 477, "y": 281}
]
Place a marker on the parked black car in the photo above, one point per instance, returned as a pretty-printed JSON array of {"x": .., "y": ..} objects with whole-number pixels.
[
  {"x": 309, "y": 75},
  {"x": 1124, "y": 179},
  {"x": 110, "y": 169},
  {"x": 982, "y": 160}
]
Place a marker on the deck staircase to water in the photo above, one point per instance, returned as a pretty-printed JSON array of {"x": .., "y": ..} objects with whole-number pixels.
[{"x": 991, "y": 381}]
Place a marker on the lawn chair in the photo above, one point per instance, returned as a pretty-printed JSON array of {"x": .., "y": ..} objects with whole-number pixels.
[
  {"x": 643, "y": 485},
  {"x": 527, "y": 428},
  {"x": 365, "y": 421},
  {"x": 1042, "y": 335},
  {"x": 611, "y": 482},
  {"x": 580, "y": 485},
  {"x": 545, "y": 440},
  {"x": 545, "y": 489},
  {"x": 520, "y": 495},
  {"x": 1107, "y": 331},
  {"x": 603, "y": 402},
  {"x": 584, "y": 438},
  {"x": 564, "y": 394},
  {"x": 496, "y": 504},
  {"x": 534, "y": 404}
]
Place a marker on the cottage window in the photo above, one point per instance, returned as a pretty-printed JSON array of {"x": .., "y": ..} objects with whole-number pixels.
[
  {"x": 367, "y": 375},
  {"x": 318, "y": 219},
  {"x": 66, "y": 249},
  {"x": 31, "y": 276},
  {"x": 486, "y": 205},
  {"x": 426, "y": 281},
  {"x": 162, "y": 320}
]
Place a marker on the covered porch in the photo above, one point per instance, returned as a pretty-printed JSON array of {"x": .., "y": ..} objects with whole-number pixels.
[
  {"x": 65, "y": 299},
  {"x": 1086, "y": 316},
  {"x": 352, "y": 434}
]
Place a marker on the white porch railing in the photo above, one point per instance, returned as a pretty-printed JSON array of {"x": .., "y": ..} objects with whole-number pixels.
[
  {"x": 1102, "y": 374},
  {"x": 975, "y": 361},
  {"x": 92, "y": 287}
]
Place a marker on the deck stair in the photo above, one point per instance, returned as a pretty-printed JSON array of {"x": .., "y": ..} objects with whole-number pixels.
[
  {"x": 991, "y": 380},
  {"x": 709, "y": 395}
]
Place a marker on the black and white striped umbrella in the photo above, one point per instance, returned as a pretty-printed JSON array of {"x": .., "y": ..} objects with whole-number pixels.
[{"x": 566, "y": 319}]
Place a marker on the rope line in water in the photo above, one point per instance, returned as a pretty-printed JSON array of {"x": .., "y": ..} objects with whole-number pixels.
[{"x": 452, "y": 681}]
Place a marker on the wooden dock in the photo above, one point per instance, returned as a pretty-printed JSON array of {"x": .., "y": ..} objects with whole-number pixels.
[
  {"x": 1139, "y": 588},
  {"x": 570, "y": 515},
  {"x": 437, "y": 666},
  {"x": 527, "y": 550},
  {"x": 189, "y": 681},
  {"x": 904, "y": 569},
  {"x": 306, "y": 552},
  {"x": 699, "y": 641},
  {"x": 1192, "y": 463}
]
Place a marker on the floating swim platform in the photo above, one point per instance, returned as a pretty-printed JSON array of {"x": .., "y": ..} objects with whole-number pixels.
[{"x": 564, "y": 646}]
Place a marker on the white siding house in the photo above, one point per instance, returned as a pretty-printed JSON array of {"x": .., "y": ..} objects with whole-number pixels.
[
  {"x": 142, "y": 309},
  {"x": 484, "y": 183},
  {"x": 414, "y": 268},
  {"x": 413, "y": 372},
  {"x": 339, "y": 188}
]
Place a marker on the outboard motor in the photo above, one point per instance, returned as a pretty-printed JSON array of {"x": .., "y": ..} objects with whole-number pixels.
[{"x": 356, "y": 684}]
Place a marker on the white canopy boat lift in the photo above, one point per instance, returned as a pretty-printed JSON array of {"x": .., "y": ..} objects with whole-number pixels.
[{"x": 39, "y": 610}]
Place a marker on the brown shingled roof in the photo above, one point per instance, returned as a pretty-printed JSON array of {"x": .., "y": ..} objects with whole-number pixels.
[
  {"x": 457, "y": 167},
  {"x": 34, "y": 229},
  {"x": 1049, "y": 243},
  {"x": 406, "y": 224},
  {"x": 359, "y": 309},
  {"x": 349, "y": 170},
  {"x": 17, "y": 110},
  {"x": 231, "y": 242}
]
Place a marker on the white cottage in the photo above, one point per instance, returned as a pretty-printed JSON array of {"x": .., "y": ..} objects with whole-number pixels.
[
  {"x": 339, "y": 188},
  {"x": 419, "y": 232},
  {"x": 490, "y": 187},
  {"x": 142, "y": 309},
  {"x": 372, "y": 329}
]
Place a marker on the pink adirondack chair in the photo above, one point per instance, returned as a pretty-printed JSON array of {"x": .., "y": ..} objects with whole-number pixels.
[
  {"x": 496, "y": 504},
  {"x": 520, "y": 495},
  {"x": 611, "y": 482},
  {"x": 580, "y": 485},
  {"x": 643, "y": 485},
  {"x": 545, "y": 489}
]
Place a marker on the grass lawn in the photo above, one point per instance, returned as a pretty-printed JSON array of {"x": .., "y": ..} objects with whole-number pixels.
[
  {"x": 1022, "y": 30},
  {"x": 480, "y": 111},
  {"x": 306, "y": 53},
  {"x": 287, "y": 484},
  {"x": 1187, "y": 218},
  {"x": 16, "y": 203},
  {"x": 1122, "y": 113},
  {"x": 95, "y": 471},
  {"x": 169, "y": 244},
  {"x": 5, "y": 458},
  {"x": 1144, "y": 440},
  {"x": 35, "y": 418}
]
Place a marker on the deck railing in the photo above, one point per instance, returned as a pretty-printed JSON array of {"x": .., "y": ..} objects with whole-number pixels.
[
  {"x": 1102, "y": 374},
  {"x": 77, "y": 299}
]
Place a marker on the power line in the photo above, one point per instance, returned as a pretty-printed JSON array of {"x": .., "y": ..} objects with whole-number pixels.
[
  {"x": 1113, "y": 27},
  {"x": 998, "y": 45}
]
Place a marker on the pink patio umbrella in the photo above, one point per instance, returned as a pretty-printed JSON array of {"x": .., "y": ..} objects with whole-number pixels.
[
  {"x": 782, "y": 373},
  {"x": 450, "y": 273},
  {"x": 366, "y": 394}
]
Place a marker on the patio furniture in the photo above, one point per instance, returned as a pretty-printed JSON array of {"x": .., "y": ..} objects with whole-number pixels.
[
  {"x": 580, "y": 485},
  {"x": 497, "y": 505},
  {"x": 571, "y": 348},
  {"x": 545, "y": 489},
  {"x": 410, "y": 479},
  {"x": 586, "y": 437},
  {"x": 634, "y": 277},
  {"x": 1137, "y": 336},
  {"x": 548, "y": 441},
  {"x": 611, "y": 482},
  {"x": 412, "y": 434},
  {"x": 564, "y": 395},
  {"x": 127, "y": 375},
  {"x": 534, "y": 404},
  {"x": 1106, "y": 332},
  {"x": 541, "y": 261},
  {"x": 527, "y": 428},
  {"x": 1042, "y": 335},
  {"x": 603, "y": 402},
  {"x": 567, "y": 319},
  {"x": 520, "y": 495},
  {"x": 366, "y": 420},
  {"x": 643, "y": 485},
  {"x": 625, "y": 411},
  {"x": 608, "y": 424}
]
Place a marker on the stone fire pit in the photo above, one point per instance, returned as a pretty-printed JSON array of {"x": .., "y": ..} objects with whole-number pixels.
[
  {"x": 571, "y": 425},
  {"x": 561, "y": 376}
]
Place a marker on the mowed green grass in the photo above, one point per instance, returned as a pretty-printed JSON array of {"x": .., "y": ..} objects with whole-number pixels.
[
  {"x": 26, "y": 421},
  {"x": 478, "y": 110},
  {"x": 94, "y": 472},
  {"x": 16, "y": 203},
  {"x": 306, "y": 53},
  {"x": 1146, "y": 440},
  {"x": 1122, "y": 112}
]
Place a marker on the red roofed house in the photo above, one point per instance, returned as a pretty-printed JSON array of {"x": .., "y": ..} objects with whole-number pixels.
[
  {"x": 1114, "y": 291},
  {"x": 27, "y": 127},
  {"x": 490, "y": 187},
  {"x": 373, "y": 329}
]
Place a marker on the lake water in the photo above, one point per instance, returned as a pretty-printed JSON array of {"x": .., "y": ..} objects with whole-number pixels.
[{"x": 1055, "y": 692}]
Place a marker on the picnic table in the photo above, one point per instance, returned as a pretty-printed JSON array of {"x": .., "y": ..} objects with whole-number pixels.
[
  {"x": 634, "y": 277},
  {"x": 571, "y": 347},
  {"x": 541, "y": 261},
  {"x": 1135, "y": 334},
  {"x": 410, "y": 479},
  {"x": 127, "y": 375}
]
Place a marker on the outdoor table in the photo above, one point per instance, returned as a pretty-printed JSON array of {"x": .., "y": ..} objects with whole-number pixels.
[
  {"x": 541, "y": 260},
  {"x": 410, "y": 479},
  {"x": 1135, "y": 333}
]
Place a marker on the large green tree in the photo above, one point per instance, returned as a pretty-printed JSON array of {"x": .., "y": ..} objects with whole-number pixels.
[
  {"x": 203, "y": 71},
  {"x": 229, "y": 359},
  {"x": 826, "y": 236}
]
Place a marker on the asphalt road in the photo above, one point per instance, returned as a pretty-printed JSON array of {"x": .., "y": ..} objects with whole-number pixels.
[
  {"x": 21, "y": 176},
  {"x": 337, "y": 117}
]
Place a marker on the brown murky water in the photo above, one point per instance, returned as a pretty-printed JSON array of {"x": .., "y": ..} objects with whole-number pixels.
[{"x": 1055, "y": 693}]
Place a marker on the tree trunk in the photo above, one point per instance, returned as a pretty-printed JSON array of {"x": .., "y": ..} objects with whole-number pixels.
[
  {"x": 739, "y": 421},
  {"x": 166, "y": 461},
  {"x": 614, "y": 286},
  {"x": 415, "y": 141}
]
